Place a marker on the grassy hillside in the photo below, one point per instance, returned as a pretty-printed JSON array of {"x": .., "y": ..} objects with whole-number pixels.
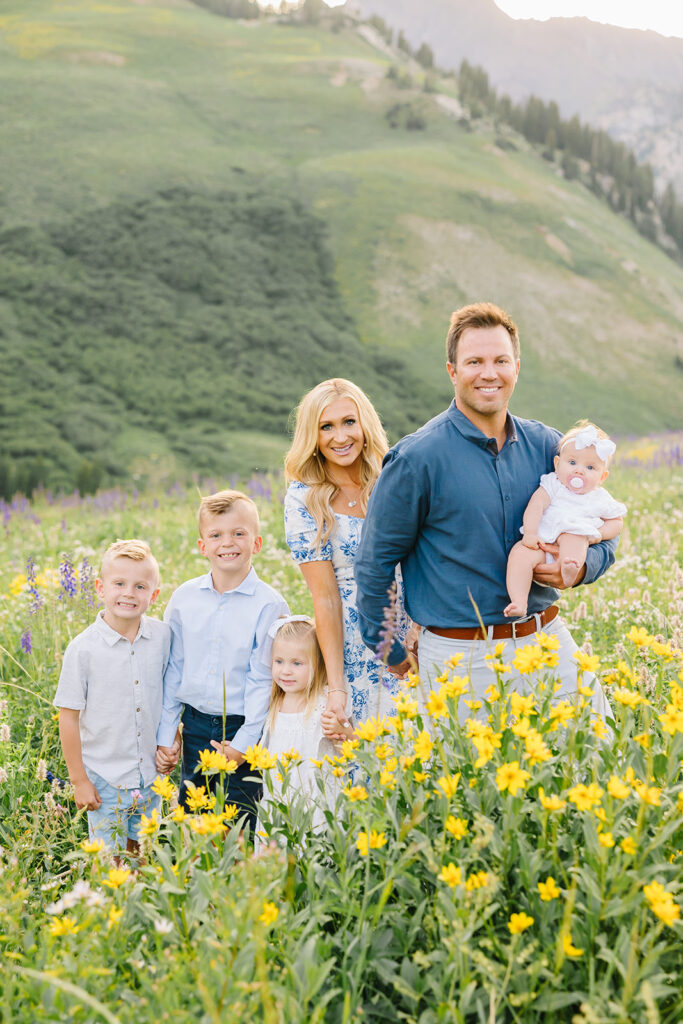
[{"x": 150, "y": 308}]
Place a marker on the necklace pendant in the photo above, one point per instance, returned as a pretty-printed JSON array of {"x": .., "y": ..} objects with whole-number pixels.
[{"x": 352, "y": 504}]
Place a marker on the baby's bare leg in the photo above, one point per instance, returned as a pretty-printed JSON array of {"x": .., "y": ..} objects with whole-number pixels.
[
  {"x": 521, "y": 564},
  {"x": 572, "y": 556}
]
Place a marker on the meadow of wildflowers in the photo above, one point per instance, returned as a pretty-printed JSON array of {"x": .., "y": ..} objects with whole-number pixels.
[{"x": 523, "y": 865}]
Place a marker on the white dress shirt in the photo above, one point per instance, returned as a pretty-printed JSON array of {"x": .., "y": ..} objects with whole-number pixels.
[
  {"x": 117, "y": 686},
  {"x": 220, "y": 654}
]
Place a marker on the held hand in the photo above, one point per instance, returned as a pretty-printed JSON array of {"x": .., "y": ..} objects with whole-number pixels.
[
  {"x": 86, "y": 796},
  {"x": 412, "y": 641},
  {"x": 403, "y": 668},
  {"x": 167, "y": 758},
  {"x": 336, "y": 710},
  {"x": 230, "y": 752},
  {"x": 335, "y": 727}
]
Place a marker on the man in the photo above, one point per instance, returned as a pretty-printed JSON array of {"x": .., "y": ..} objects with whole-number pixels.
[{"x": 448, "y": 506}]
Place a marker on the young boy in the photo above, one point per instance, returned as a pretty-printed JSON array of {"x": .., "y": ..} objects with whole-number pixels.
[
  {"x": 110, "y": 697},
  {"x": 220, "y": 650}
]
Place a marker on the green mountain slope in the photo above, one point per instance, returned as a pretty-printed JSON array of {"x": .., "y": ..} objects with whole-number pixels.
[{"x": 200, "y": 218}]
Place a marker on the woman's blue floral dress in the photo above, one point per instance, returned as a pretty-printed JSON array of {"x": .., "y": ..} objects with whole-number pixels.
[{"x": 369, "y": 684}]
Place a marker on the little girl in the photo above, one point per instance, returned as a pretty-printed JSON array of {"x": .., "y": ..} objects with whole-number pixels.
[
  {"x": 297, "y": 708},
  {"x": 570, "y": 508}
]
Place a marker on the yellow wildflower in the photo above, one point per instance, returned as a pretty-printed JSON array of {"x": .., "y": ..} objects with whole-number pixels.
[
  {"x": 163, "y": 787},
  {"x": 448, "y": 784},
  {"x": 511, "y": 777},
  {"x": 387, "y": 779},
  {"x": 215, "y": 761},
  {"x": 519, "y": 923},
  {"x": 528, "y": 659},
  {"x": 648, "y": 794},
  {"x": 628, "y": 845},
  {"x": 406, "y": 760},
  {"x": 521, "y": 705},
  {"x": 63, "y": 926},
  {"x": 17, "y": 585},
  {"x": 536, "y": 750},
  {"x": 436, "y": 705},
  {"x": 599, "y": 728},
  {"x": 270, "y": 913},
  {"x": 672, "y": 719},
  {"x": 148, "y": 826},
  {"x": 92, "y": 846},
  {"x": 258, "y": 758},
  {"x": 207, "y": 824},
  {"x": 477, "y": 880},
  {"x": 585, "y": 797},
  {"x": 347, "y": 749},
  {"x": 454, "y": 660},
  {"x": 606, "y": 839},
  {"x": 451, "y": 875},
  {"x": 473, "y": 705},
  {"x": 383, "y": 751},
  {"x": 617, "y": 789},
  {"x": 423, "y": 746},
  {"x": 178, "y": 814},
  {"x": 548, "y": 890},
  {"x": 371, "y": 729},
  {"x": 356, "y": 793},
  {"x": 288, "y": 757},
  {"x": 665, "y": 651},
  {"x": 456, "y": 686},
  {"x": 521, "y": 728},
  {"x": 116, "y": 877},
  {"x": 551, "y": 803},
  {"x": 411, "y": 681},
  {"x": 561, "y": 713},
  {"x": 114, "y": 916},
  {"x": 492, "y": 694},
  {"x": 456, "y": 826},
  {"x": 229, "y": 812},
  {"x": 662, "y": 903},
  {"x": 629, "y": 698},
  {"x": 643, "y": 738},
  {"x": 197, "y": 797},
  {"x": 569, "y": 948},
  {"x": 547, "y": 642},
  {"x": 639, "y": 636},
  {"x": 370, "y": 841}
]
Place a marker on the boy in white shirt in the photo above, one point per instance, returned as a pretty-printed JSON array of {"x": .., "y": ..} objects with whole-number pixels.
[
  {"x": 110, "y": 697},
  {"x": 218, "y": 678}
]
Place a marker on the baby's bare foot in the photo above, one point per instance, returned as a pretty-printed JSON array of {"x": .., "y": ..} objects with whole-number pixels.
[
  {"x": 570, "y": 570},
  {"x": 514, "y": 611}
]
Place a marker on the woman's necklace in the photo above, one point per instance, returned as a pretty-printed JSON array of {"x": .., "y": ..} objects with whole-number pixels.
[{"x": 350, "y": 504}]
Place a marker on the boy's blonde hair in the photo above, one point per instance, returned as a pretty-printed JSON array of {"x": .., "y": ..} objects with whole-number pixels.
[
  {"x": 304, "y": 462},
  {"x": 303, "y": 632},
  {"x": 576, "y": 429},
  {"x": 223, "y": 501},
  {"x": 136, "y": 550}
]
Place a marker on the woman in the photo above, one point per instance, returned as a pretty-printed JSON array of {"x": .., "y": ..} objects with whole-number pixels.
[{"x": 332, "y": 465}]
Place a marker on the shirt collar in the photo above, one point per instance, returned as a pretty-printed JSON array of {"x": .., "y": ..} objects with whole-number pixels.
[
  {"x": 472, "y": 433},
  {"x": 247, "y": 586},
  {"x": 110, "y": 636}
]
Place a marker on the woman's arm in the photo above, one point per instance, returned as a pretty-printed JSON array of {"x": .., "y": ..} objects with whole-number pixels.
[{"x": 327, "y": 610}]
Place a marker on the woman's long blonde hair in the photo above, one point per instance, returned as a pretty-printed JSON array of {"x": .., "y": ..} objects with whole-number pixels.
[
  {"x": 303, "y": 632},
  {"x": 304, "y": 462}
]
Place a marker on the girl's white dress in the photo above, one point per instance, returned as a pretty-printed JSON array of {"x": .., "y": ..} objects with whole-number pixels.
[
  {"x": 582, "y": 514},
  {"x": 369, "y": 684},
  {"x": 302, "y": 733}
]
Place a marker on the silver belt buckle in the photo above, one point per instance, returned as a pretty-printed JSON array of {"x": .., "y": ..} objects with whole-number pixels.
[{"x": 518, "y": 622}]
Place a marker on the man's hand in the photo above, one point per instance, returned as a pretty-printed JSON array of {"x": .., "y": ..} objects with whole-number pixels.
[
  {"x": 549, "y": 573},
  {"x": 230, "y": 752},
  {"x": 86, "y": 796},
  {"x": 403, "y": 668}
]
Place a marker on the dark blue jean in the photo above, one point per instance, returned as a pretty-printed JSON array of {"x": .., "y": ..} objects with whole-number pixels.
[{"x": 243, "y": 786}]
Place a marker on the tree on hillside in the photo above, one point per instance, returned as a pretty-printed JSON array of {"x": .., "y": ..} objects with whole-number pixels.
[{"x": 425, "y": 56}]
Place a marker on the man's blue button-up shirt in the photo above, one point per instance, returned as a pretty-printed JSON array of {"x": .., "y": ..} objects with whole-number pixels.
[
  {"x": 448, "y": 506},
  {"x": 220, "y": 654}
]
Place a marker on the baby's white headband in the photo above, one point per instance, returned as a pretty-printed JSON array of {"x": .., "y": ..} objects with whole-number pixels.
[
  {"x": 587, "y": 437},
  {"x": 279, "y": 623}
]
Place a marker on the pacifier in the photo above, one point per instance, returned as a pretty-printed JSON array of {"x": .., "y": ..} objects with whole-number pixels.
[{"x": 576, "y": 482}]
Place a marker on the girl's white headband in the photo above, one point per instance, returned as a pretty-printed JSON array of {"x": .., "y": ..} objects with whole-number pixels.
[
  {"x": 279, "y": 623},
  {"x": 587, "y": 437}
]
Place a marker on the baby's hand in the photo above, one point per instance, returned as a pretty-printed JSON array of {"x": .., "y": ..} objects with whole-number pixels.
[{"x": 530, "y": 540}]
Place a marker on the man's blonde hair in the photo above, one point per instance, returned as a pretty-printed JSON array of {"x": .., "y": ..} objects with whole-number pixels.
[
  {"x": 224, "y": 501},
  {"x": 479, "y": 314},
  {"x": 136, "y": 550}
]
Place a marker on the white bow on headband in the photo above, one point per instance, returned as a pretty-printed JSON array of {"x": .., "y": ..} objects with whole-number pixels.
[
  {"x": 587, "y": 437},
  {"x": 279, "y": 623}
]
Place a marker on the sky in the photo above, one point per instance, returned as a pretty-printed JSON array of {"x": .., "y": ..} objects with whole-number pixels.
[{"x": 663, "y": 16}]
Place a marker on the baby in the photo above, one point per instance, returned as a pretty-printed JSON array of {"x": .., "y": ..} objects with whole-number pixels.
[{"x": 570, "y": 508}]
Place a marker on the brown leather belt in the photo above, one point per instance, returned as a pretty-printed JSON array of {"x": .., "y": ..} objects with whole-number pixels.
[{"x": 502, "y": 631}]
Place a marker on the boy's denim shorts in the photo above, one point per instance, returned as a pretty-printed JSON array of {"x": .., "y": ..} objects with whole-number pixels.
[{"x": 118, "y": 817}]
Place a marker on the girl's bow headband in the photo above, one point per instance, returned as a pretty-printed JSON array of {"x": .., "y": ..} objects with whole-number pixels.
[
  {"x": 587, "y": 437},
  {"x": 279, "y": 623}
]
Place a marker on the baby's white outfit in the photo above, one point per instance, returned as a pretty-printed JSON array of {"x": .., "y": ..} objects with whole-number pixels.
[
  {"x": 303, "y": 733},
  {"x": 582, "y": 514}
]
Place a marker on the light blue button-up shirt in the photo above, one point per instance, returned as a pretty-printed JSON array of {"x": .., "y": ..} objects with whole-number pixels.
[
  {"x": 220, "y": 654},
  {"x": 448, "y": 506}
]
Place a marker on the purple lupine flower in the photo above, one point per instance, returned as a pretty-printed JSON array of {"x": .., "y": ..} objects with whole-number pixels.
[
  {"x": 6, "y": 516},
  {"x": 26, "y": 644},
  {"x": 67, "y": 577},
  {"x": 86, "y": 583},
  {"x": 36, "y": 599},
  {"x": 390, "y": 623}
]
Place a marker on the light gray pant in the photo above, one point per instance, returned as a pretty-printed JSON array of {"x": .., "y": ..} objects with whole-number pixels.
[{"x": 434, "y": 651}]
